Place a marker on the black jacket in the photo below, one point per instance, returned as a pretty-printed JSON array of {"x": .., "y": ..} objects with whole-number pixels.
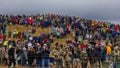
[
  {"x": 38, "y": 55},
  {"x": 11, "y": 52},
  {"x": 45, "y": 54},
  {"x": 31, "y": 55}
]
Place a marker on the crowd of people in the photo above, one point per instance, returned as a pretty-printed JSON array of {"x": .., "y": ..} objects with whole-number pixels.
[{"x": 92, "y": 41}]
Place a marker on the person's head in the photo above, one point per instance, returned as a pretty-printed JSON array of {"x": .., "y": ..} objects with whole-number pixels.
[
  {"x": 61, "y": 45},
  {"x": 44, "y": 46},
  {"x": 67, "y": 48},
  {"x": 39, "y": 46},
  {"x": 106, "y": 43},
  {"x": 58, "y": 46},
  {"x": 92, "y": 48},
  {"x": 116, "y": 48},
  {"x": 84, "y": 50},
  {"x": 13, "y": 46},
  {"x": 24, "y": 48},
  {"x": 31, "y": 49}
]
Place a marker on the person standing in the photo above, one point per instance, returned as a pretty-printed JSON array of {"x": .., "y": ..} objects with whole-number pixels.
[
  {"x": 67, "y": 57},
  {"x": 93, "y": 57},
  {"x": 31, "y": 56},
  {"x": 38, "y": 55},
  {"x": 11, "y": 55},
  {"x": 45, "y": 56},
  {"x": 116, "y": 53},
  {"x": 5, "y": 55},
  {"x": 103, "y": 54},
  {"x": 108, "y": 51},
  {"x": 84, "y": 58},
  {"x": 24, "y": 56},
  {"x": 58, "y": 56},
  {"x": 1, "y": 54}
]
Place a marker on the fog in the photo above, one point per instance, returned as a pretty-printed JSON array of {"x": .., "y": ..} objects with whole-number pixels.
[{"x": 103, "y": 10}]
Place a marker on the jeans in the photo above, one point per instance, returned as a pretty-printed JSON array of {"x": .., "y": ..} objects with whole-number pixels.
[
  {"x": 72, "y": 61},
  {"x": 84, "y": 65},
  {"x": 59, "y": 63},
  {"x": 109, "y": 56},
  {"x": 103, "y": 58},
  {"x": 23, "y": 61},
  {"x": 46, "y": 63},
  {"x": 30, "y": 61},
  {"x": 39, "y": 62}
]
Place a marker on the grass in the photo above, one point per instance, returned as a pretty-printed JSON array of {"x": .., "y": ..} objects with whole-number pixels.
[
  {"x": 39, "y": 31},
  {"x": 45, "y": 30}
]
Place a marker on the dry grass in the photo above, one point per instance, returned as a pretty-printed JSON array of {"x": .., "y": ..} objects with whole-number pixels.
[{"x": 38, "y": 32}]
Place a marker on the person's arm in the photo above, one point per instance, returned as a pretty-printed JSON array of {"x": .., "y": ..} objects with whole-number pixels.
[
  {"x": 70, "y": 53},
  {"x": 37, "y": 51},
  {"x": 47, "y": 50},
  {"x": 34, "y": 54},
  {"x": 28, "y": 54},
  {"x": 42, "y": 51},
  {"x": 9, "y": 52}
]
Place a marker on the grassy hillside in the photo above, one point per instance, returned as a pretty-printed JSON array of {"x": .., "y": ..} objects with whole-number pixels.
[{"x": 38, "y": 32}]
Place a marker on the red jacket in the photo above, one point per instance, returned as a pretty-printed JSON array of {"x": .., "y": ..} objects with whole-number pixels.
[
  {"x": 108, "y": 29},
  {"x": 82, "y": 46},
  {"x": 30, "y": 20}
]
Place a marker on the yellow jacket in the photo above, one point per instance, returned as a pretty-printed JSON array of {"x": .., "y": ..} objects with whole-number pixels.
[
  {"x": 108, "y": 49},
  {"x": 5, "y": 43}
]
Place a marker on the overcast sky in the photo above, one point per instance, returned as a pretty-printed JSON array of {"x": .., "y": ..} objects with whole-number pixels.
[{"x": 104, "y": 10}]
